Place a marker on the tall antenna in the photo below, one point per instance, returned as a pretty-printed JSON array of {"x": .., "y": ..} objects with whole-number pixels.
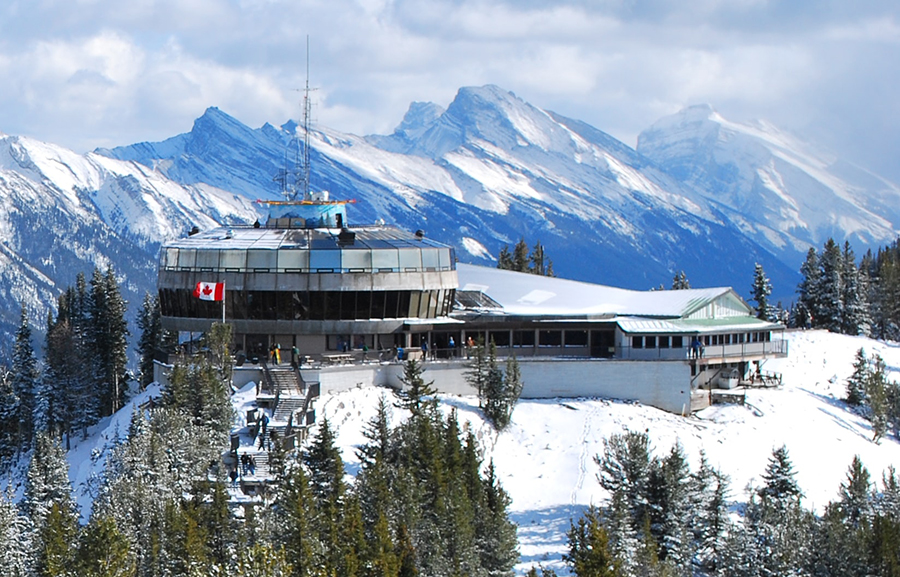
[{"x": 306, "y": 110}]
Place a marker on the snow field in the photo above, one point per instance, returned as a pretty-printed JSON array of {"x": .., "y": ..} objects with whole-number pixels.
[{"x": 545, "y": 459}]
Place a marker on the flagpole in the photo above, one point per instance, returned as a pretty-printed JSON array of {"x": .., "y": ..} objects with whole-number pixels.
[{"x": 223, "y": 302}]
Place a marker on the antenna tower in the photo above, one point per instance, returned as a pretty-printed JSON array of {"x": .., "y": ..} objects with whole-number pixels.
[{"x": 305, "y": 168}]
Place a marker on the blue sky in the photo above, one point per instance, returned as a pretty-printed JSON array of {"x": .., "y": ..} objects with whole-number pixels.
[{"x": 88, "y": 73}]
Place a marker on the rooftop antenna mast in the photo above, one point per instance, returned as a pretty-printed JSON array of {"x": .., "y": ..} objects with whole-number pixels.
[{"x": 305, "y": 169}]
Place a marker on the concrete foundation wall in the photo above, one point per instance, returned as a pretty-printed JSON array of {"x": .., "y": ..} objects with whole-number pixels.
[
  {"x": 658, "y": 384},
  {"x": 664, "y": 385}
]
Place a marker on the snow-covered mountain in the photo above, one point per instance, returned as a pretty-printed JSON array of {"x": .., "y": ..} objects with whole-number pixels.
[
  {"x": 790, "y": 194},
  {"x": 63, "y": 213},
  {"x": 485, "y": 172}
]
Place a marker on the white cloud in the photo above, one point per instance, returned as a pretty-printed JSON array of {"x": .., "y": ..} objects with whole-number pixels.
[{"x": 102, "y": 72}]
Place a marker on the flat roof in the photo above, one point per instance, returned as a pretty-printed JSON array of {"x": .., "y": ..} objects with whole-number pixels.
[
  {"x": 534, "y": 295},
  {"x": 247, "y": 237}
]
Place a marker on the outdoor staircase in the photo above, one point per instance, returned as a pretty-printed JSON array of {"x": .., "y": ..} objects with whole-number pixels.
[{"x": 286, "y": 406}]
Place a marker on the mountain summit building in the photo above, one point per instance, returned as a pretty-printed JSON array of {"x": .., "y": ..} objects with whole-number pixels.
[{"x": 355, "y": 300}]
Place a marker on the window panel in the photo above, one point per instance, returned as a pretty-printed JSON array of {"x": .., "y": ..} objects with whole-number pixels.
[
  {"x": 385, "y": 258},
  {"x": 262, "y": 259},
  {"x": 293, "y": 260},
  {"x": 410, "y": 258},
  {"x": 356, "y": 259},
  {"x": 207, "y": 259},
  {"x": 325, "y": 259}
]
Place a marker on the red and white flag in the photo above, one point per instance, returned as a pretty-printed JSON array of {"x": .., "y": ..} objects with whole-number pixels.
[{"x": 210, "y": 291}]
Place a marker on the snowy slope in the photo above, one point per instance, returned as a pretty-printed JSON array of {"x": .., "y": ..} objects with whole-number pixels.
[
  {"x": 792, "y": 195},
  {"x": 488, "y": 170},
  {"x": 545, "y": 458},
  {"x": 63, "y": 213}
]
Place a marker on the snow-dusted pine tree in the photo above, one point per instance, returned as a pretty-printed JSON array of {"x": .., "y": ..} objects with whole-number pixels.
[
  {"x": 16, "y": 549},
  {"x": 24, "y": 377},
  {"x": 761, "y": 289}
]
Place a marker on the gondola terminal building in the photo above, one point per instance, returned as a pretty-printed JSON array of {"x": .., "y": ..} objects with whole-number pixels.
[{"x": 307, "y": 279}]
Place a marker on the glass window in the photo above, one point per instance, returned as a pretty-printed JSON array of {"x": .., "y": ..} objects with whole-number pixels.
[
  {"x": 385, "y": 259},
  {"x": 414, "y": 304},
  {"x": 677, "y": 342},
  {"x": 356, "y": 259},
  {"x": 293, "y": 260},
  {"x": 637, "y": 342},
  {"x": 663, "y": 342},
  {"x": 444, "y": 259},
  {"x": 348, "y": 305},
  {"x": 523, "y": 338},
  {"x": 550, "y": 338},
  {"x": 500, "y": 338},
  {"x": 208, "y": 259},
  {"x": 390, "y": 304},
  {"x": 363, "y": 304},
  {"x": 576, "y": 338},
  {"x": 649, "y": 342},
  {"x": 170, "y": 257},
  {"x": 377, "y": 305},
  {"x": 430, "y": 258},
  {"x": 410, "y": 258},
  {"x": 187, "y": 257},
  {"x": 325, "y": 260},
  {"x": 262, "y": 259},
  {"x": 236, "y": 259}
]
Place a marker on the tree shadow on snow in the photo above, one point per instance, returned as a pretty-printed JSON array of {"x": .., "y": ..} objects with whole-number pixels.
[{"x": 542, "y": 534}]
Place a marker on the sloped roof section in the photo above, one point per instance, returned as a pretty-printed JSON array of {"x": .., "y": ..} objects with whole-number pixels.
[{"x": 527, "y": 294}]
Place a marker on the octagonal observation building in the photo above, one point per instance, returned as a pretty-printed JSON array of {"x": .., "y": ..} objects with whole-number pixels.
[{"x": 307, "y": 279}]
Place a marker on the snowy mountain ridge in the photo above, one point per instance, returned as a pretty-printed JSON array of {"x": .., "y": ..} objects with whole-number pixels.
[
  {"x": 65, "y": 213},
  {"x": 488, "y": 170},
  {"x": 805, "y": 195}
]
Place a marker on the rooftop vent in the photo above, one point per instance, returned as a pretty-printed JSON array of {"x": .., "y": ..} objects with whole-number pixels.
[
  {"x": 194, "y": 230},
  {"x": 420, "y": 234}
]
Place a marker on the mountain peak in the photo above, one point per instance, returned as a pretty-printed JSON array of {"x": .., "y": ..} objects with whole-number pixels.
[{"x": 419, "y": 116}]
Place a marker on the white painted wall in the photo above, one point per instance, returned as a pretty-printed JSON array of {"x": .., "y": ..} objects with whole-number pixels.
[{"x": 665, "y": 385}]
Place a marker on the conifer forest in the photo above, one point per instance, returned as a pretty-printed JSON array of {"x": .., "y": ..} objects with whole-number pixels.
[{"x": 423, "y": 500}]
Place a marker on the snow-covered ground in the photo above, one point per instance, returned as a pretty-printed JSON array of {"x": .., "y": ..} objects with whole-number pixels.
[{"x": 545, "y": 458}]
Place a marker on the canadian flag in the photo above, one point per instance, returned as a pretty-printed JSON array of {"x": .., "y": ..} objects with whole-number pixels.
[{"x": 210, "y": 291}]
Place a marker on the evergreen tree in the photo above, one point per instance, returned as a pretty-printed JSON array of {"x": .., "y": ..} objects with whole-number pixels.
[
  {"x": 853, "y": 298},
  {"x": 24, "y": 377},
  {"x": 680, "y": 281},
  {"x": 297, "y": 518},
  {"x": 856, "y": 383},
  {"x": 103, "y": 551},
  {"x": 151, "y": 336},
  {"x": 520, "y": 256},
  {"x": 588, "y": 547},
  {"x": 761, "y": 290},
  {"x": 878, "y": 398},
  {"x": 809, "y": 290},
  {"x": 109, "y": 339},
  {"x": 625, "y": 468},
  {"x": 56, "y": 537},
  {"x": 16, "y": 553},
  {"x": 47, "y": 482},
  {"x": 780, "y": 483},
  {"x": 495, "y": 533},
  {"x": 501, "y": 390},
  {"x": 504, "y": 260},
  {"x": 856, "y": 493},
  {"x": 540, "y": 264},
  {"x": 709, "y": 517},
  {"x": 476, "y": 374},
  {"x": 9, "y": 420},
  {"x": 262, "y": 560},
  {"x": 414, "y": 391},
  {"x": 831, "y": 288}
]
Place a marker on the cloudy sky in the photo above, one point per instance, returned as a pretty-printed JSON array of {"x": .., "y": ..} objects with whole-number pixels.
[{"x": 88, "y": 73}]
